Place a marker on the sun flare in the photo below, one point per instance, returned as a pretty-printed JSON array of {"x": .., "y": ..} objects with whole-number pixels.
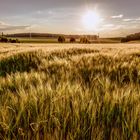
[{"x": 91, "y": 19}]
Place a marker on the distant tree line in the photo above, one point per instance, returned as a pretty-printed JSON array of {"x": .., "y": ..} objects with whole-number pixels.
[
  {"x": 49, "y": 35},
  {"x": 131, "y": 37},
  {"x": 61, "y": 39},
  {"x": 6, "y": 40}
]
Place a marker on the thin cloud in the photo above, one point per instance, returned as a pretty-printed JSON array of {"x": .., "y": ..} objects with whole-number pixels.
[
  {"x": 108, "y": 25},
  {"x": 131, "y": 19},
  {"x": 3, "y": 24},
  {"x": 7, "y": 27},
  {"x": 10, "y": 28},
  {"x": 128, "y": 20},
  {"x": 117, "y": 16},
  {"x": 58, "y": 14},
  {"x": 111, "y": 27},
  {"x": 138, "y": 19}
]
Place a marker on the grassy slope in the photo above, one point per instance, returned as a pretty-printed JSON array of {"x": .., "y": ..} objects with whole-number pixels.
[{"x": 70, "y": 94}]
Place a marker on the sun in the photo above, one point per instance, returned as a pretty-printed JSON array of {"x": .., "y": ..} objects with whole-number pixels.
[{"x": 91, "y": 19}]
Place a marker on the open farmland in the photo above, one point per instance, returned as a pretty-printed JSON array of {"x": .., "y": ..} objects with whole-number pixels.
[{"x": 70, "y": 91}]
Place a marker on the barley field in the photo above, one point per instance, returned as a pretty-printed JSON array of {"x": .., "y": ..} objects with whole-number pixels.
[{"x": 70, "y": 92}]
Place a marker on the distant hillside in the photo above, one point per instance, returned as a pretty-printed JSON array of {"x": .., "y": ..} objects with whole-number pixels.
[
  {"x": 131, "y": 37},
  {"x": 48, "y": 35}
]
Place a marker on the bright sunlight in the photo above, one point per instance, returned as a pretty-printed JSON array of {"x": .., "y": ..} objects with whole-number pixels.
[{"x": 91, "y": 19}]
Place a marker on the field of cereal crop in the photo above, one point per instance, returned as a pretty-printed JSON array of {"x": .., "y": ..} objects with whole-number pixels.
[{"x": 70, "y": 91}]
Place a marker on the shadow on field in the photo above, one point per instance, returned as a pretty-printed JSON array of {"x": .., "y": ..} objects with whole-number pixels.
[
  {"x": 25, "y": 62},
  {"x": 121, "y": 70},
  {"x": 19, "y": 63}
]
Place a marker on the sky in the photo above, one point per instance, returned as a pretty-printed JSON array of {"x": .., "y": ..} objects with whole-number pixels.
[{"x": 117, "y": 17}]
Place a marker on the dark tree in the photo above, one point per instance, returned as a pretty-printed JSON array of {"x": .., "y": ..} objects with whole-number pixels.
[
  {"x": 84, "y": 40},
  {"x": 3, "y": 39},
  {"x": 14, "y": 41},
  {"x": 124, "y": 40},
  {"x": 61, "y": 39},
  {"x": 72, "y": 40}
]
